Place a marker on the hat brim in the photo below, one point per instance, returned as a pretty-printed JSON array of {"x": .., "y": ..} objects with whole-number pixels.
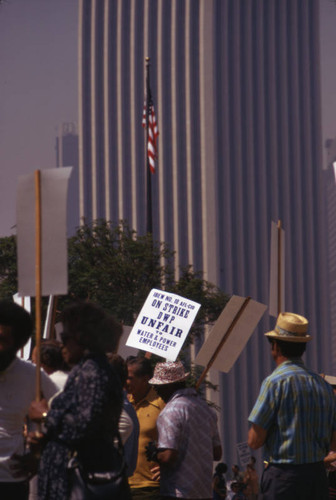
[
  {"x": 157, "y": 381},
  {"x": 330, "y": 379},
  {"x": 288, "y": 338}
]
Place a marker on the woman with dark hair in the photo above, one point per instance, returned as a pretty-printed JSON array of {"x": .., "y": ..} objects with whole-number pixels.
[
  {"x": 219, "y": 482},
  {"x": 83, "y": 419}
]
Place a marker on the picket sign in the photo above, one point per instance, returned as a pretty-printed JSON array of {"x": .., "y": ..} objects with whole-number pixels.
[
  {"x": 41, "y": 241},
  {"x": 163, "y": 324}
]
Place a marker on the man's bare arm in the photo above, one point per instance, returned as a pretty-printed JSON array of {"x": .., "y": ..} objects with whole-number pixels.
[
  {"x": 256, "y": 436},
  {"x": 167, "y": 457}
]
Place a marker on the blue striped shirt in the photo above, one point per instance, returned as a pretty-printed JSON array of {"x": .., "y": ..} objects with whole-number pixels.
[{"x": 298, "y": 409}]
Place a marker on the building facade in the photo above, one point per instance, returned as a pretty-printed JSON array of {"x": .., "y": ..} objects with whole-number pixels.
[
  {"x": 67, "y": 156},
  {"x": 236, "y": 90},
  {"x": 330, "y": 198}
]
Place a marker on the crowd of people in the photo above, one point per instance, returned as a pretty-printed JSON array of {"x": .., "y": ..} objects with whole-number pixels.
[
  {"x": 105, "y": 427},
  {"x": 243, "y": 485}
]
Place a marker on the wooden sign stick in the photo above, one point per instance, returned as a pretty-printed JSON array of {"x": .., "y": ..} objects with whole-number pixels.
[
  {"x": 22, "y": 348},
  {"x": 220, "y": 345},
  {"x": 38, "y": 286}
]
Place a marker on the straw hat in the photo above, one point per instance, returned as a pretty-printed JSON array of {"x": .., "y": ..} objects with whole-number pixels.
[
  {"x": 168, "y": 373},
  {"x": 330, "y": 379},
  {"x": 290, "y": 327}
]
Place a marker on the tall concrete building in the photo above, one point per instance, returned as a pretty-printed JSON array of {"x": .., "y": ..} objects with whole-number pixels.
[
  {"x": 67, "y": 156},
  {"x": 330, "y": 198},
  {"x": 236, "y": 90}
]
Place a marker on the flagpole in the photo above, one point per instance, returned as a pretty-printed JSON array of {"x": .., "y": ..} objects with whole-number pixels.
[{"x": 148, "y": 172}]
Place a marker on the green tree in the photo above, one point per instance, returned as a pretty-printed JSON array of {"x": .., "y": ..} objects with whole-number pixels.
[
  {"x": 8, "y": 267},
  {"x": 112, "y": 265},
  {"x": 115, "y": 267}
]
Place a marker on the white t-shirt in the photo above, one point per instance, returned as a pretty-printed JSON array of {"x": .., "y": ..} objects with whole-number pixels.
[
  {"x": 59, "y": 378},
  {"x": 125, "y": 426},
  {"x": 17, "y": 391}
]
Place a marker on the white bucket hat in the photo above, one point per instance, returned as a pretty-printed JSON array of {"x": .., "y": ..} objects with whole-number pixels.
[{"x": 168, "y": 373}]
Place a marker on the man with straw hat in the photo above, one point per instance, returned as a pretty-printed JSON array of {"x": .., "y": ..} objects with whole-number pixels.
[
  {"x": 188, "y": 436},
  {"x": 294, "y": 417}
]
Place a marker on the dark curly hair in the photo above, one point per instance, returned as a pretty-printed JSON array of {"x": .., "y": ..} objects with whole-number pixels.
[
  {"x": 18, "y": 319},
  {"x": 96, "y": 330},
  {"x": 120, "y": 366},
  {"x": 143, "y": 366},
  {"x": 51, "y": 355}
]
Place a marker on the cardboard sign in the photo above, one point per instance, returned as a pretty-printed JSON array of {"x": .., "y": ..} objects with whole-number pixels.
[
  {"x": 163, "y": 324},
  {"x": 234, "y": 338},
  {"x": 54, "y": 265},
  {"x": 123, "y": 350}
]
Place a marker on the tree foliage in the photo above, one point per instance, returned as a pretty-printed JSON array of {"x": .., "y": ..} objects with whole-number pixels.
[
  {"x": 115, "y": 267},
  {"x": 8, "y": 267}
]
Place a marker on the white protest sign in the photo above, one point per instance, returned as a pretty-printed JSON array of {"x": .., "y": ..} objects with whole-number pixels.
[
  {"x": 244, "y": 453},
  {"x": 163, "y": 324},
  {"x": 54, "y": 259}
]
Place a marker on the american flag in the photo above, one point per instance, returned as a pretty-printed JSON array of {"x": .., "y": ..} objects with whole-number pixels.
[
  {"x": 144, "y": 113},
  {"x": 152, "y": 131}
]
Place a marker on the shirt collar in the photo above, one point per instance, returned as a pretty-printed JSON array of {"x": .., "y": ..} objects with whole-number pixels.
[
  {"x": 292, "y": 361},
  {"x": 150, "y": 398},
  {"x": 186, "y": 391}
]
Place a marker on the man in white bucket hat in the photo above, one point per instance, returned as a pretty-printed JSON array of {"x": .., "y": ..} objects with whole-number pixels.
[
  {"x": 188, "y": 436},
  {"x": 294, "y": 417}
]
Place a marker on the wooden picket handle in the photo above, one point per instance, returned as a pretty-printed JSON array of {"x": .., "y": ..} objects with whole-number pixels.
[{"x": 38, "y": 285}]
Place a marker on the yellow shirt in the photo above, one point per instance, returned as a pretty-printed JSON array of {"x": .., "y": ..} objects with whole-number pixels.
[{"x": 147, "y": 411}]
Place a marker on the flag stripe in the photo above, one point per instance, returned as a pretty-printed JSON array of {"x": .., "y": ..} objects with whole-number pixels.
[
  {"x": 152, "y": 137},
  {"x": 152, "y": 131},
  {"x": 144, "y": 113}
]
